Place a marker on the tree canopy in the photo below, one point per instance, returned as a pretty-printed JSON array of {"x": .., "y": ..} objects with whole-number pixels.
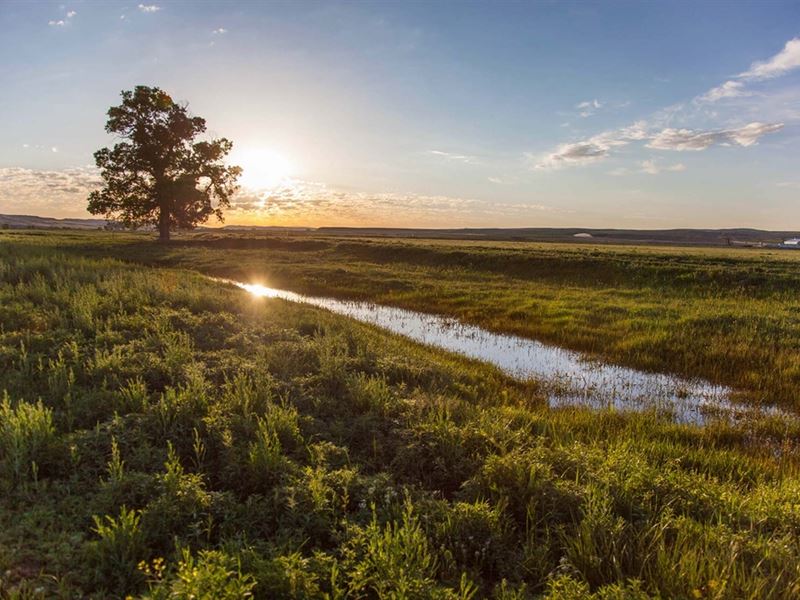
[{"x": 159, "y": 174}]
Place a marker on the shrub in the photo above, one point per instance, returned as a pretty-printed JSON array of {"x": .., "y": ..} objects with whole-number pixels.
[
  {"x": 116, "y": 554},
  {"x": 396, "y": 561},
  {"x": 211, "y": 575},
  {"x": 27, "y": 436}
]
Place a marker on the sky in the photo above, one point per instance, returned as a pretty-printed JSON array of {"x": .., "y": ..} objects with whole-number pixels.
[{"x": 427, "y": 114}]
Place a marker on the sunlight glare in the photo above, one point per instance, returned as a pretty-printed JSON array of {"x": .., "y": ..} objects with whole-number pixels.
[
  {"x": 261, "y": 291},
  {"x": 261, "y": 167}
]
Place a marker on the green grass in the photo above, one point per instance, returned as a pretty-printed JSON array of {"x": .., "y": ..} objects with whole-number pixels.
[
  {"x": 731, "y": 316},
  {"x": 167, "y": 436}
]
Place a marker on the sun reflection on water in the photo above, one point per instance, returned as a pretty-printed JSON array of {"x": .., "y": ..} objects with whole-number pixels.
[{"x": 259, "y": 290}]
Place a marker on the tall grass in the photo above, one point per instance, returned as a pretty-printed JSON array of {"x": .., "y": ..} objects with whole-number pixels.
[
  {"x": 180, "y": 438},
  {"x": 27, "y": 437}
]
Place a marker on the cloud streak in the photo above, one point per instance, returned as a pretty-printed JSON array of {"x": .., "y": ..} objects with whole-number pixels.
[
  {"x": 293, "y": 202},
  {"x": 588, "y": 108},
  {"x": 591, "y": 150},
  {"x": 689, "y": 139},
  {"x": 309, "y": 203},
  {"x": 62, "y": 193},
  {"x": 651, "y": 167},
  {"x": 464, "y": 158},
  {"x": 786, "y": 60},
  {"x": 782, "y": 63},
  {"x": 601, "y": 146},
  {"x": 62, "y": 22}
]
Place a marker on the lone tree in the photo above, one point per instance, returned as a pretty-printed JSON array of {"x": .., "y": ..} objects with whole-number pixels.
[{"x": 159, "y": 175}]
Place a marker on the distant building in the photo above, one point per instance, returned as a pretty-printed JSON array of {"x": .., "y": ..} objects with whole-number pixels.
[
  {"x": 793, "y": 242},
  {"x": 582, "y": 235}
]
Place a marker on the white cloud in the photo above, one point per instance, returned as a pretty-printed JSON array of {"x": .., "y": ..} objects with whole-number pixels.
[
  {"x": 149, "y": 8},
  {"x": 311, "y": 203},
  {"x": 62, "y": 22},
  {"x": 220, "y": 31},
  {"x": 64, "y": 193},
  {"x": 652, "y": 168},
  {"x": 578, "y": 153},
  {"x": 589, "y": 104},
  {"x": 588, "y": 107},
  {"x": 451, "y": 156},
  {"x": 729, "y": 89},
  {"x": 591, "y": 150},
  {"x": 33, "y": 191},
  {"x": 601, "y": 146},
  {"x": 786, "y": 60},
  {"x": 690, "y": 139}
]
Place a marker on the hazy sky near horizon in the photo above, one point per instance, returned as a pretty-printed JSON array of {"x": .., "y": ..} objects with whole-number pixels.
[{"x": 618, "y": 114}]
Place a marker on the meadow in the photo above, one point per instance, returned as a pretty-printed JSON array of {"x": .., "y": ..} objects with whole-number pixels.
[
  {"x": 728, "y": 315},
  {"x": 163, "y": 435}
]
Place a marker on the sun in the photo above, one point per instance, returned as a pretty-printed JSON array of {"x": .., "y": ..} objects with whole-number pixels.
[{"x": 261, "y": 167}]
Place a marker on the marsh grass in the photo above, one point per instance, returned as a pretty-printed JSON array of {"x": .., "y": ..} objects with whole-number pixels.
[
  {"x": 190, "y": 439},
  {"x": 726, "y": 315}
]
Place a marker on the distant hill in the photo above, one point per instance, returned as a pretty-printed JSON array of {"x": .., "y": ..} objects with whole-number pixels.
[
  {"x": 698, "y": 237},
  {"x": 33, "y": 222}
]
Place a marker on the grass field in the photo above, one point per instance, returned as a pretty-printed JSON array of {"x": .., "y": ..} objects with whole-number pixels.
[
  {"x": 731, "y": 316},
  {"x": 163, "y": 435}
]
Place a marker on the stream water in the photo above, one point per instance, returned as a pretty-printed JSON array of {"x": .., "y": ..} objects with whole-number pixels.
[{"x": 570, "y": 378}]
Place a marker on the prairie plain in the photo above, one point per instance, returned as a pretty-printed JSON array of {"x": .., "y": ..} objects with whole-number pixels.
[{"x": 163, "y": 434}]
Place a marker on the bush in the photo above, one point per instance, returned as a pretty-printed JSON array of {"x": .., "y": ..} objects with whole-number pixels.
[
  {"x": 27, "y": 437},
  {"x": 212, "y": 575},
  {"x": 119, "y": 550}
]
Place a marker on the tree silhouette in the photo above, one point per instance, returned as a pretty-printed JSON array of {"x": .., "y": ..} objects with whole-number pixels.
[{"x": 159, "y": 175}]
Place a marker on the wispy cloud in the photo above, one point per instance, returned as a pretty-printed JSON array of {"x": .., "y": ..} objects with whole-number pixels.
[
  {"x": 310, "y": 203},
  {"x": 149, "y": 8},
  {"x": 651, "y": 167},
  {"x": 465, "y": 158},
  {"x": 64, "y": 193},
  {"x": 601, "y": 146},
  {"x": 588, "y": 107},
  {"x": 783, "y": 62},
  {"x": 36, "y": 191},
  {"x": 689, "y": 139},
  {"x": 660, "y": 136},
  {"x": 62, "y": 22},
  {"x": 729, "y": 89},
  {"x": 219, "y": 31},
  {"x": 590, "y": 150},
  {"x": 786, "y": 60}
]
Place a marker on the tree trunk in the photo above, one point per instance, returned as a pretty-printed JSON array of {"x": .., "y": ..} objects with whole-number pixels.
[{"x": 163, "y": 226}]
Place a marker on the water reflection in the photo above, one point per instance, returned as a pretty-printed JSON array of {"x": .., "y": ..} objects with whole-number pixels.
[{"x": 569, "y": 377}]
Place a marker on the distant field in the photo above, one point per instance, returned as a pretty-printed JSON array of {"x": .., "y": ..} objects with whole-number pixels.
[
  {"x": 163, "y": 435},
  {"x": 730, "y": 315}
]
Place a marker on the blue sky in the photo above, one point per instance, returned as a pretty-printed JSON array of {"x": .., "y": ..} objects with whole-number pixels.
[{"x": 625, "y": 114}]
